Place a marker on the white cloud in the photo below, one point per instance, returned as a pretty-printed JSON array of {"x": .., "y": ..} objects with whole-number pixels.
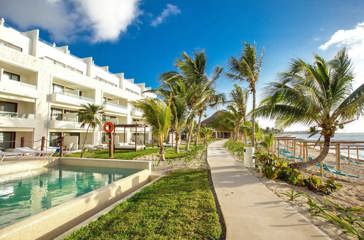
[
  {"x": 108, "y": 19},
  {"x": 169, "y": 10},
  {"x": 353, "y": 40},
  {"x": 100, "y": 20}
]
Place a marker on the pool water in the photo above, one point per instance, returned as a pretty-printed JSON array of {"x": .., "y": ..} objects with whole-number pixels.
[{"x": 25, "y": 197}]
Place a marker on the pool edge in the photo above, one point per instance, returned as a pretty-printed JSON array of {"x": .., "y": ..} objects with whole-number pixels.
[{"x": 56, "y": 220}]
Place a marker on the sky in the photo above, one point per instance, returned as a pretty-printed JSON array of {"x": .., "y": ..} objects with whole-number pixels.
[{"x": 143, "y": 38}]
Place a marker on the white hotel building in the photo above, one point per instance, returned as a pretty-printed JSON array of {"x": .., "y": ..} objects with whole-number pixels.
[{"x": 43, "y": 86}]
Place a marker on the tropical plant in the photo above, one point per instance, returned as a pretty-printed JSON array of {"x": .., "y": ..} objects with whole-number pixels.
[
  {"x": 292, "y": 195},
  {"x": 158, "y": 116},
  {"x": 237, "y": 109},
  {"x": 200, "y": 88},
  {"x": 349, "y": 219},
  {"x": 247, "y": 68},
  {"x": 89, "y": 115},
  {"x": 206, "y": 134},
  {"x": 318, "y": 95},
  {"x": 267, "y": 142},
  {"x": 175, "y": 93}
]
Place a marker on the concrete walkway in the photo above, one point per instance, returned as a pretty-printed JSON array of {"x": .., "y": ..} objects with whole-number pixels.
[{"x": 251, "y": 211}]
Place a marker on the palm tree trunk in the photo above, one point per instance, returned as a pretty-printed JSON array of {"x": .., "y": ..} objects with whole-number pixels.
[
  {"x": 319, "y": 158},
  {"x": 177, "y": 142},
  {"x": 198, "y": 128},
  {"x": 161, "y": 149},
  {"x": 189, "y": 137},
  {"x": 253, "y": 118},
  {"x": 84, "y": 141}
]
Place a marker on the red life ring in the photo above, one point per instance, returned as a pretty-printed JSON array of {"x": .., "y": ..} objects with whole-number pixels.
[{"x": 108, "y": 127}]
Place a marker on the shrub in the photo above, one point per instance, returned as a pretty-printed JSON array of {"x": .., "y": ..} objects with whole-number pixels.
[
  {"x": 331, "y": 186},
  {"x": 273, "y": 167},
  {"x": 235, "y": 147}
]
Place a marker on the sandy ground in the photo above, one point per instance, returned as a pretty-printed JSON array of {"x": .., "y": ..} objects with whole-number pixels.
[{"x": 351, "y": 194}]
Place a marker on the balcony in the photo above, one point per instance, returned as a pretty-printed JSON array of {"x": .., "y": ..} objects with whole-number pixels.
[
  {"x": 115, "y": 108},
  {"x": 17, "y": 120},
  {"x": 64, "y": 124},
  {"x": 18, "y": 88},
  {"x": 71, "y": 99}
]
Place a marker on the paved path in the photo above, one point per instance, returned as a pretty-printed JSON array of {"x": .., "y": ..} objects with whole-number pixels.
[{"x": 251, "y": 211}]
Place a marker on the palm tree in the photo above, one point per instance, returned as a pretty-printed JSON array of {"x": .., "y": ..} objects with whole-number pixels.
[
  {"x": 210, "y": 99},
  {"x": 267, "y": 141},
  {"x": 90, "y": 115},
  {"x": 174, "y": 91},
  {"x": 206, "y": 134},
  {"x": 192, "y": 71},
  {"x": 247, "y": 68},
  {"x": 318, "y": 95},
  {"x": 158, "y": 116},
  {"x": 237, "y": 108}
]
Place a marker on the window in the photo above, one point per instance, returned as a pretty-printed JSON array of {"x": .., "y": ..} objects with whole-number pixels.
[
  {"x": 54, "y": 138},
  {"x": 64, "y": 115},
  {"x": 58, "y": 88},
  {"x": 7, "y": 140},
  {"x": 56, "y": 114},
  {"x": 8, "y": 107},
  {"x": 12, "y": 76}
]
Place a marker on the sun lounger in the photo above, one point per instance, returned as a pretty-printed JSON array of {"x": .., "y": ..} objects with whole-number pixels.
[
  {"x": 331, "y": 169},
  {"x": 4, "y": 155},
  {"x": 33, "y": 152}
]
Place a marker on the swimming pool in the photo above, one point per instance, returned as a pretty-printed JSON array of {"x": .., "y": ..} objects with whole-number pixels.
[{"x": 26, "y": 197}]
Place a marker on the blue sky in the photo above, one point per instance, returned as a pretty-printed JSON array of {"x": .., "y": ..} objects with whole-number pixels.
[{"x": 154, "y": 33}]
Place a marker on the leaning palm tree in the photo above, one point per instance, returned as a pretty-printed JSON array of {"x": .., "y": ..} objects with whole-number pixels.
[
  {"x": 89, "y": 115},
  {"x": 318, "y": 95},
  {"x": 247, "y": 68},
  {"x": 237, "y": 109},
  {"x": 158, "y": 116}
]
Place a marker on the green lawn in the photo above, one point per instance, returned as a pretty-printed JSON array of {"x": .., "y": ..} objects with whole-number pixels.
[
  {"x": 119, "y": 154},
  {"x": 179, "y": 206},
  {"x": 131, "y": 154}
]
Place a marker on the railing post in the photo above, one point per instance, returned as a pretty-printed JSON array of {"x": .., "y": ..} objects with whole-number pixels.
[
  {"x": 294, "y": 148},
  {"x": 348, "y": 154},
  {"x": 303, "y": 152},
  {"x": 338, "y": 156}
]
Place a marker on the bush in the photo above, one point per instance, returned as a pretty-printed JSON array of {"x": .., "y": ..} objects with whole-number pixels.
[
  {"x": 273, "y": 167},
  {"x": 235, "y": 147},
  {"x": 314, "y": 183}
]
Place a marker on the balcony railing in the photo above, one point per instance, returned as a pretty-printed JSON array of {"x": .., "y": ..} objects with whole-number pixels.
[
  {"x": 17, "y": 83},
  {"x": 16, "y": 115},
  {"x": 75, "y": 96},
  {"x": 115, "y": 107}
]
